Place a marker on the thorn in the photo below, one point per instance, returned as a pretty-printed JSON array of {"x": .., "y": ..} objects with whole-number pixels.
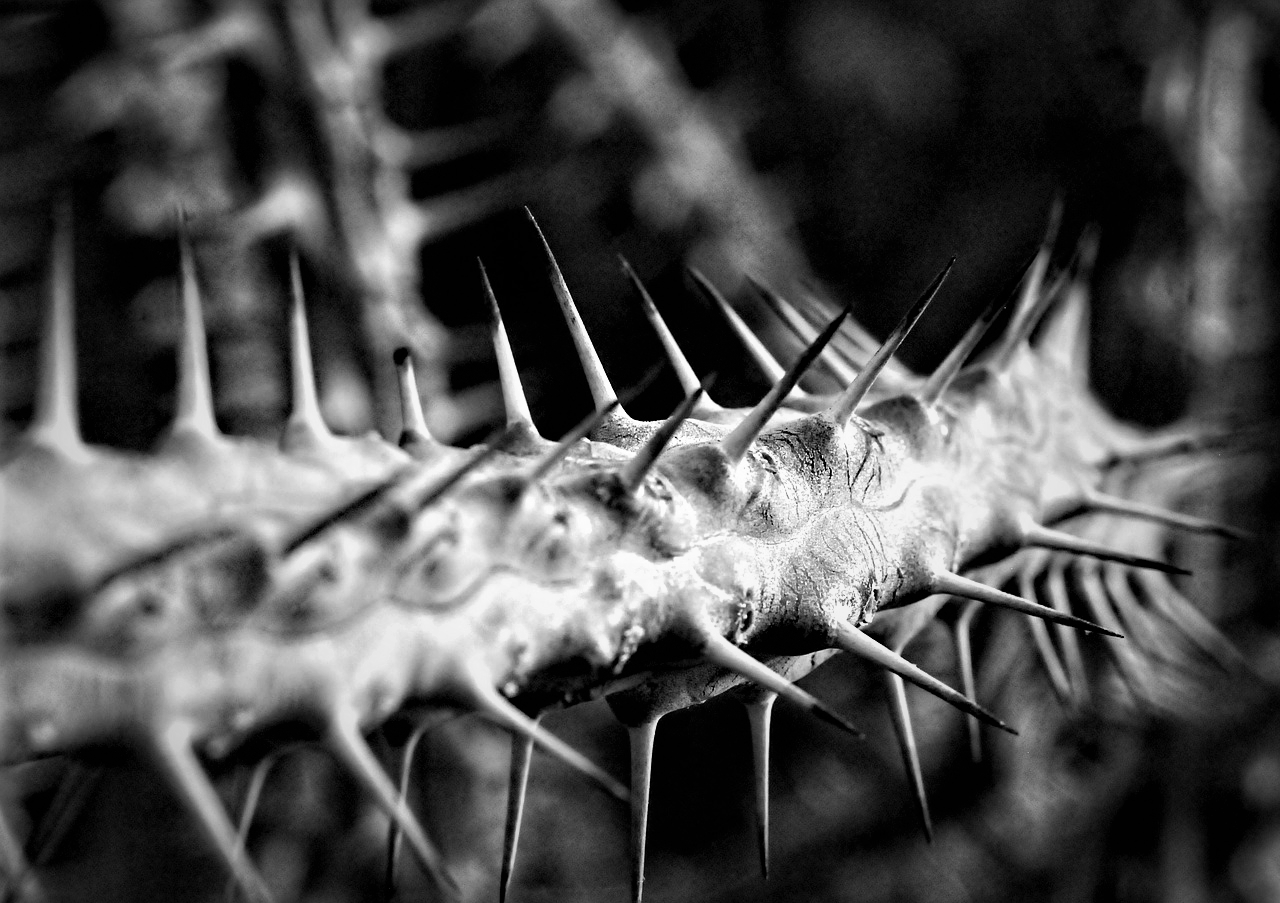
[
  {"x": 760, "y": 716},
  {"x": 513, "y": 398},
  {"x": 736, "y": 443},
  {"x": 602, "y": 393},
  {"x": 414, "y": 435},
  {"x": 56, "y": 425},
  {"x": 439, "y": 486},
  {"x": 854, "y": 641},
  {"x": 253, "y": 794},
  {"x": 1044, "y": 645},
  {"x": 1056, "y": 586},
  {"x": 585, "y": 427},
  {"x": 194, "y": 415},
  {"x": 17, "y": 878},
  {"x": 394, "y": 832},
  {"x": 848, "y": 401},
  {"x": 633, "y": 472},
  {"x": 641, "y": 736},
  {"x": 964, "y": 656},
  {"x": 74, "y": 793},
  {"x": 955, "y": 585},
  {"x": 900, "y": 714},
  {"x": 1100, "y": 501},
  {"x": 689, "y": 382},
  {"x": 497, "y": 708},
  {"x": 940, "y": 380},
  {"x": 722, "y": 653},
  {"x": 761, "y": 355},
  {"x": 1035, "y": 535},
  {"x": 805, "y": 331},
  {"x": 351, "y": 749},
  {"x": 174, "y": 750},
  {"x": 521, "y": 759},
  {"x": 305, "y": 419},
  {"x": 444, "y": 214},
  {"x": 1034, "y": 298}
]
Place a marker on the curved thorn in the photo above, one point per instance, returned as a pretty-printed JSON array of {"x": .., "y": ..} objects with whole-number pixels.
[
  {"x": 1094, "y": 500},
  {"x": 555, "y": 455},
  {"x": 761, "y": 355},
  {"x": 602, "y": 393},
  {"x": 760, "y": 716},
  {"x": 394, "y": 832},
  {"x": 305, "y": 419},
  {"x": 253, "y": 794},
  {"x": 497, "y": 708},
  {"x": 1055, "y": 585},
  {"x": 968, "y": 682},
  {"x": 940, "y": 379},
  {"x": 56, "y": 424},
  {"x": 194, "y": 414},
  {"x": 1034, "y": 534},
  {"x": 805, "y": 331},
  {"x": 1044, "y": 645},
  {"x": 722, "y": 653},
  {"x": 1198, "y": 629},
  {"x": 521, "y": 759},
  {"x": 74, "y": 792},
  {"x": 174, "y": 750},
  {"x": 736, "y": 443},
  {"x": 350, "y": 747},
  {"x": 855, "y": 642},
  {"x": 513, "y": 398},
  {"x": 955, "y": 585},
  {"x": 641, "y": 737},
  {"x": 633, "y": 472},
  {"x": 848, "y": 401},
  {"x": 684, "y": 371},
  {"x": 900, "y": 714},
  {"x": 414, "y": 434}
]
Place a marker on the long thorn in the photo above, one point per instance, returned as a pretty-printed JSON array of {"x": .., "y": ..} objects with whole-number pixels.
[
  {"x": 848, "y": 401},
  {"x": 1034, "y": 534},
  {"x": 414, "y": 435},
  {"x": 900, "y": 714},
  {"x": 1044, "y": 644},
  {"x": 521, "y": 759},
  {"x": 1032, "y": 297},
  {"x": 1094, "y": 500},
  {"x": 257, "y": 780},
  {"x": 584, "y": 428},
  {"x": 195, "y": 388},
  {"x": 940, "y": 379},
  {"x": 804, "y": 331},
  {"x": 305, "y": 419},
  {"x": 173, "y": 748},
  {"x": 1055, "y": 584},
  {"x": 56, "y": 425},
  {"x": 761, "y": 355},
  {"x": 633, "y": 472},
  {"x": 684, "y": 371},
  {"x": 968, "y": 682},
  {"x": 954, "y": 584},
  {"x": 513, "y": 398},
  {"x": 641, "y": 736},
  {"x": 394, "y": 832},
  {"x": 854, "y": 641},
  {"x": 760, "y": 716},
  {"x": 602, "y": 393},
  {"x": 719, "y": 651},
  {"x": 736, "y": 443},
  {"x": 497, "y": 708},
  {"x": 350, "y": 747}
]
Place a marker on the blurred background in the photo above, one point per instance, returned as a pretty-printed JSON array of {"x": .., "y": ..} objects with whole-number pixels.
[{"x": 840, "y": 149}]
